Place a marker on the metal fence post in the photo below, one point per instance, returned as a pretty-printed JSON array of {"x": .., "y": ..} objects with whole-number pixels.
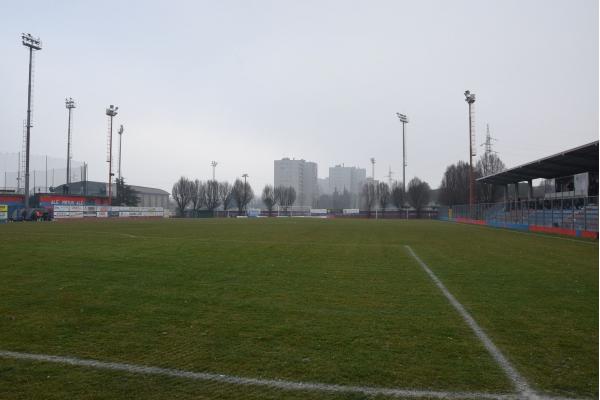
[
  {"x": 522, "y": 211},
  {"x": 585, "y": 213},
  {"x": 572, "y": 214},
  {"x": 562, "y": 213}
]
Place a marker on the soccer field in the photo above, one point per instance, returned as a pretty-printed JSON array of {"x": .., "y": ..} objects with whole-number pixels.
[{"x": 294, "y": 308}]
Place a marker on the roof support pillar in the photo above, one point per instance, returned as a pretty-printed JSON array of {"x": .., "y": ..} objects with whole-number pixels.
[{"x": 530, "y": 187}]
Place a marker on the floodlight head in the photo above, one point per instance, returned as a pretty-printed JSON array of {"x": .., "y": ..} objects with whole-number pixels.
[
  {"x": 121, "y": 130},
  {"x": 402, "y": 117},
  {"x": 70, "y": 103},
  {"x": 469, "y": 97},
  {"x": 372, "y": 160},
  {"x": 111, "y": 111},
  {"x": 31, "y": 42}
]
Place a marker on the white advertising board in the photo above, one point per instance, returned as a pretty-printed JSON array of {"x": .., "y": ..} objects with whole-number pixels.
[
  {"x": 69, "y": 211},
  {"x": 318, "y": 211}
]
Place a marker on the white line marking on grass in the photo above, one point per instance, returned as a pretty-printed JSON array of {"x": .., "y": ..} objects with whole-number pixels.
[
  {"x": 518, "y": 381},
  {"x": 270, "y": 383}
]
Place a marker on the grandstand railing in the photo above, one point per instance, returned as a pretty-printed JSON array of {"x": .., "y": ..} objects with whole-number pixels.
[{"x": 577, "y": 213}]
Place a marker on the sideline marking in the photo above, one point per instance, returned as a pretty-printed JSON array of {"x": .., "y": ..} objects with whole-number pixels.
[
  {"x": 271, "y": 383},
  {"x": 518, "y": 381}
]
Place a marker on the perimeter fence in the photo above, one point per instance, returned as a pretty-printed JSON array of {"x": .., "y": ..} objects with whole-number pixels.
[{"x": 576, "y": 213}]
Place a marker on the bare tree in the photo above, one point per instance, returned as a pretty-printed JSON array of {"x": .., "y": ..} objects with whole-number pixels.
[
  {"x": 242, "y": 194},
  {"x": 268, "y": 198},
  {"x": 182, "y": 194},
  {"x": 454, "y": 188},
  {"x": 341, "y": 200},
  {"x": 285, "y": 196},
  {"x": 291, "y": 197},
  {"x": 398, "y": 197},
  {"x": 369, "y": 195},
  {"x": 225, "y": 195},
  {"x": 419, "y": 193},
  {"x": 489, "y": 164},
  {"x": 212, "y": 199},
  {"x": 383, "y": 196},
  {"x": 248, "y": 194},
  {"x": 197, "y": 199}
]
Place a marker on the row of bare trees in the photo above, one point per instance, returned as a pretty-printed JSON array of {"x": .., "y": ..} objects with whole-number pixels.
[
  {"x": 418, "y": 195},
  {"x": 195, "y": 195},
  {"x": 285, "y": 196},
  {"x": 454, "y": 188}
]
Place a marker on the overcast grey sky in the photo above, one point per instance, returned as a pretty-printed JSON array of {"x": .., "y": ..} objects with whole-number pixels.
[{"x": 247, "y": 82}]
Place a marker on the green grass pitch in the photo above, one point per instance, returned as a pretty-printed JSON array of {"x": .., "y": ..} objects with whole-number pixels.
[{"x": 304, "y": 300}]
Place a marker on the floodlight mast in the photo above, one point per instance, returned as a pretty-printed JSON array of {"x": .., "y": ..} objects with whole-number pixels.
[
  {"x": 120, "y": 143},
  {"x": 245, "y": 190},
  {"x": 33, "y": 44},
  {"x": 111, "y": 111},
  {"x": 404, "y": 119},
  {"x": 70, "y": 105},
  {"x": 373, "y": 169},
  {"x": 214, "y": 165},
  {"x": 470, "y": 99}
]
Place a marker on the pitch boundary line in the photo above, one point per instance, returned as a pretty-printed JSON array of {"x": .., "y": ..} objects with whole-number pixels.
[
  {"x": 269, "y": 383},
  {"x": 516, "y": 378}
]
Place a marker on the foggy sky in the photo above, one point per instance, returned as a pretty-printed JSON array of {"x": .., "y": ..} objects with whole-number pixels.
[{"x": 247, "y": 82}]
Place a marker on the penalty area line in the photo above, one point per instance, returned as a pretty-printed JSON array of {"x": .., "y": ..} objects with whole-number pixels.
[{"x": 269, "y": 383}]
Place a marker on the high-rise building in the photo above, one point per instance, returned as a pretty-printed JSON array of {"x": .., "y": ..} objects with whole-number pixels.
[
  {"x": 346, "y": 178},
  {"x": 299, "y": 174},
  {"x": 323, "y": 184}
]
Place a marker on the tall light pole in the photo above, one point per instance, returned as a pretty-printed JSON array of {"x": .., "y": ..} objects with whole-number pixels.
[
  {"x": 404, "y": 119},
  {"x": 120, "y": 143},
  {"x": 33, "y": 44},
  {"x": 70, "y": 104},
  {"x": 373, "y": 169},
  {"x": 213, "y": 165},
  {"x": 470, "y": 99},
  {"x": 111, "y": 111},
  {"x": 245, "y": 188}
]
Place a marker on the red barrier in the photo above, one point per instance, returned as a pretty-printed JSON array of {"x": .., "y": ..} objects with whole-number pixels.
[
  {"x": 589, "y": 234},
  {"x": 552, "y": 229}
]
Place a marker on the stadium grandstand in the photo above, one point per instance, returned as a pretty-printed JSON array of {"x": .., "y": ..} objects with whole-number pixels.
[{"x": 567, "y": 202}]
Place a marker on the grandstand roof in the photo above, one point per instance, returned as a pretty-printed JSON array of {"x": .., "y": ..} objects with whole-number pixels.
[{"x": 569, "y": 162}]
